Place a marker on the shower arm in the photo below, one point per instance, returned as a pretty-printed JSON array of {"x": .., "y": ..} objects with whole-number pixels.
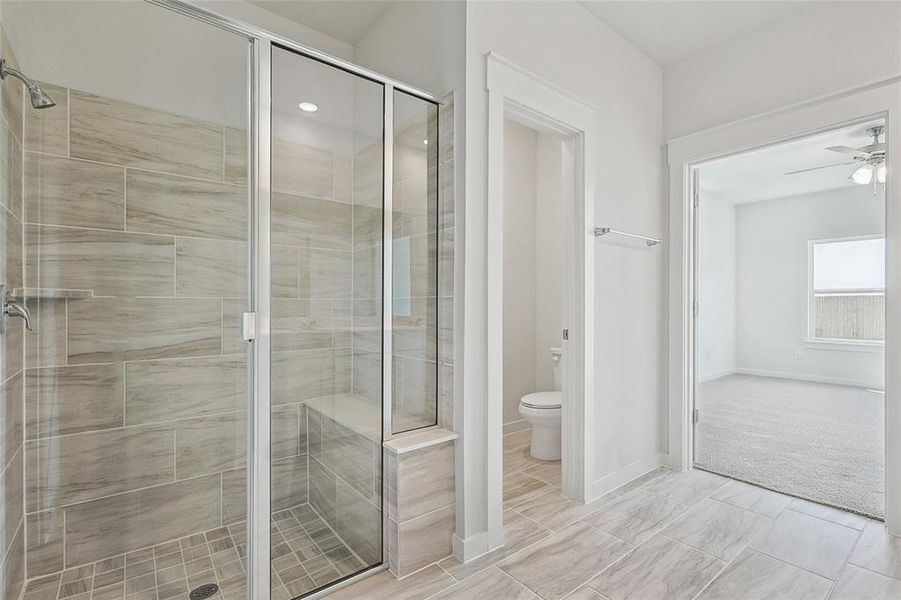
[{"x": 5, "y": 70}]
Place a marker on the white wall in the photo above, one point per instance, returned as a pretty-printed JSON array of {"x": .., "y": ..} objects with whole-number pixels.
[
  {"x": 716, "y": 287},
  {"x": 520, "y": 337},
  {"x": 419, "y": 43},
  {"x": 771, "y": 285},
  {"x": 807, "y": 54},
  {"x": 563, "y": 43},
  {"x": 550, "y": 188}
]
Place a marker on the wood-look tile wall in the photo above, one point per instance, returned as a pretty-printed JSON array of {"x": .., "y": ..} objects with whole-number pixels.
[
  {"x": 346, "y": 483},
  {"x": 421, "y": 507},
  {"x": 12, "y": 515},
  {"x": 135, "y": 398}
]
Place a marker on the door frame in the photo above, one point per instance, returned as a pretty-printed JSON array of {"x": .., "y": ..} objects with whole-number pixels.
[
  {"x": 516, "y": 93},
  {"x": 684, "y": 154}
]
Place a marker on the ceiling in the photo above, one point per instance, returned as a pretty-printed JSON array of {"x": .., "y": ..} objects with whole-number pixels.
[
  {"x": 760, "y": 174},
  {"x": 344, "y": 20},
  {"x": 670, "y": 31}
]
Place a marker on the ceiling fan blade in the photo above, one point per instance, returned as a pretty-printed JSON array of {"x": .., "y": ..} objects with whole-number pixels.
[
  {"x": 823, "y": 167},
  {"x": 849, "y": 150}
]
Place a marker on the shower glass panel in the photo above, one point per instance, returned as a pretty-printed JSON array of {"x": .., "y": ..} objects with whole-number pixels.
[
  {"x": 326, "y": 328},
  {"x": 135, "y": 220},
  {"x": 414, "y": 264}
]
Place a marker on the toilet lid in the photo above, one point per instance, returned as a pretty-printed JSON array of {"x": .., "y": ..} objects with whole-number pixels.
[{"x": 543, "y": 400}]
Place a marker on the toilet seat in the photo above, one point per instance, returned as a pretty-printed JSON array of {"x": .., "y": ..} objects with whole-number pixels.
[{"x": 542, "y": 400}]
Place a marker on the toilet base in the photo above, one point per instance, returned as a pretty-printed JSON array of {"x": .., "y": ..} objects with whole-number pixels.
[{"x": 546, "y": 442}]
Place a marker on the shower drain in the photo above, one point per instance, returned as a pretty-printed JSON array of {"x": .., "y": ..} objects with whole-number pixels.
[{"x": 204, "y": 591}]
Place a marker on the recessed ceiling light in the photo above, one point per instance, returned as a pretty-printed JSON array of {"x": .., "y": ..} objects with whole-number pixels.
[
  {"x": 426, "y": 142},
  {"x": 308, "y": 107}
]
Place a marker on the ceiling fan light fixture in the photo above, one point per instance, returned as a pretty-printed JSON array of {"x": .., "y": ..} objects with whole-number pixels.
[
  {"x": 863, "y": 175},
  {"x": 880, "y": 173}
]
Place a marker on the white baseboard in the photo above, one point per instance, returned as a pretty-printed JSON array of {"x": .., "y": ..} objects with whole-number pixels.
[
  {"x": 716, "y": 375},
  {"x": 812, "y": 378},
  {"x": 622, "y": 476},
  {"x": 514, "y": 426},
  {"x": 471, "y": 547}
]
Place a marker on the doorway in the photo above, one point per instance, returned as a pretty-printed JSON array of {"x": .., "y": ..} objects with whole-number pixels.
[
  {"x": 515, "y": 94},
  {"x": 537, "y": 190},
  {"x": 789, "y": 288}
]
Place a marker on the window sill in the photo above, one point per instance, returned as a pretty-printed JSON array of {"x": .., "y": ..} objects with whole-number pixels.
[{"x": 846, "y": 345}]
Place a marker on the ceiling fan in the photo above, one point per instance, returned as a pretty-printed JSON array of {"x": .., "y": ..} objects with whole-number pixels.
[{"x": 872, "y": 156}]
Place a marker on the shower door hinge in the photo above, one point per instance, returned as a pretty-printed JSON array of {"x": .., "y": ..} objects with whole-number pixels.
[
  {"x": 566, "y": 334},
  {"x": 248, "y": 326},
  {"x": 694, "y": 416}
]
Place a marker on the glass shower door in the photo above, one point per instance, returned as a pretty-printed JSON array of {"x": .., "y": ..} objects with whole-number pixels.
[
  {"x": 134, "y": 212},
  {"x": 326, "y": 323}
]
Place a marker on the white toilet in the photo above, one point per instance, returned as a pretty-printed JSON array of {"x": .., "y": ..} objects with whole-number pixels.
[{"x": 542, "y": 410}]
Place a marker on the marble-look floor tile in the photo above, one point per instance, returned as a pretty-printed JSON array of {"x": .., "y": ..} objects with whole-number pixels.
[
  {"x": 661, "y": 569},
  {"x": 716, "y": 528},
  {"x": 878, "y": 550},
  {"x": 753, "y": 498},
  {"x": 519, "y": 533},
  {"x": 549, "y": 472},
  {"x": 384, "y": 586},
  {"x": 555, "y": 511},
  {"x": 641, "y": 481},
  {"x": 756, "y": 576},
  {"x": 585, "y": 593},
  {"x": 490, "y": 583},
  {"x": 828, "y": 513},
  {"x": 519, "y": 487},
  {"x": 557, "y": 565},
  {"x": 808, "y": 542},
  {"x": 686, "y": 487},
  {"x": 636, "y": 516},
  {"x": 859, "y": 584}
]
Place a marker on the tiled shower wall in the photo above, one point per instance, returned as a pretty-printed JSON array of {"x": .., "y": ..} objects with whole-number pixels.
[
  {"x": 12, "y": 521},
  {"x": 135, "y": 396}
]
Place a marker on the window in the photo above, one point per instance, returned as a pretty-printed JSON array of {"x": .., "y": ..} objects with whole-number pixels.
[{"x": 847, "y": 290}]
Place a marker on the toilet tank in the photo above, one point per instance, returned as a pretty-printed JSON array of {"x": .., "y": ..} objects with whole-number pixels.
[{"x": 556, "y": 355}]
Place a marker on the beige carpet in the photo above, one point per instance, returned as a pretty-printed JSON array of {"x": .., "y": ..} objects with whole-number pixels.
[{"x": 817, "y": 441}]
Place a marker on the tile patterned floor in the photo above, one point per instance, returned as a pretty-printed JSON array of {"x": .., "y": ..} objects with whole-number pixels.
[
  {"x": 305, "y": 554},
  {"x": 665, "y": 536}
]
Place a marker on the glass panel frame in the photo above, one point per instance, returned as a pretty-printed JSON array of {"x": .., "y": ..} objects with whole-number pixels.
[
  {"x": 415, "y": 229},
  {"x": 258, "y": 321}
]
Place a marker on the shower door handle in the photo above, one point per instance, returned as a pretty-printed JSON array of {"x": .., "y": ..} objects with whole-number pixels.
[{"x": 11, "y": 308}]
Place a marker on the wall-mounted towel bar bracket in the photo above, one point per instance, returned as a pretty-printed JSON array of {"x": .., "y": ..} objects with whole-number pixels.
[{"x": 599, "y": 231}]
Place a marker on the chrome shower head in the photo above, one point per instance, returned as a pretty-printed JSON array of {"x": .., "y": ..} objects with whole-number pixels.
[{"x": 39, "y": 98}]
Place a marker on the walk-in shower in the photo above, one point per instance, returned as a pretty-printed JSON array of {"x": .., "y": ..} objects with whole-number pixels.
[{"x": 234, "y": 302}]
